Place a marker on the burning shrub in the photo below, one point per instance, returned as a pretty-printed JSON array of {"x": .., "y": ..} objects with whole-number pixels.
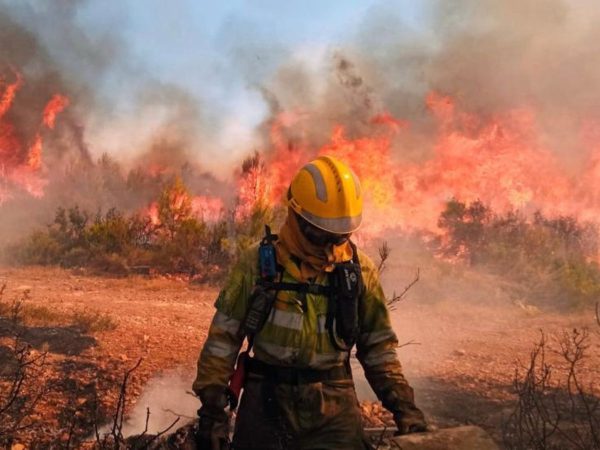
[
  {"x": 555, "y": 259},
  {"x": 171, "y": 238},
  {"x": 255, "y": 204},
  {"x": 181, "y": 240}
]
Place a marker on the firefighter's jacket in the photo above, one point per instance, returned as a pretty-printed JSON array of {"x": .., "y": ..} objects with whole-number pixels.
[{"x": 295, "y": 335}]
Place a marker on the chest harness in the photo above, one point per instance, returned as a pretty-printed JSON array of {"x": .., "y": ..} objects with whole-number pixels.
[{"x": 343, "y": 292}]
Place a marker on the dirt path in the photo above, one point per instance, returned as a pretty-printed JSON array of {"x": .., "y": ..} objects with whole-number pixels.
[{"x": 461, "y": 364}]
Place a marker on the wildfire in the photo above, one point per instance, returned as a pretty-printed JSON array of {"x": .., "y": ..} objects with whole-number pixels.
[
  {"x": 20, "y": 160},
  {"x": 501, "y": 160},
  {"x": 207, "y": 209}
]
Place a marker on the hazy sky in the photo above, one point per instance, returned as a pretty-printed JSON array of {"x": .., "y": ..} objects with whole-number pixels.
[
  {"x": 221, "y": 51},
  {"x": 216, "y": 54}
]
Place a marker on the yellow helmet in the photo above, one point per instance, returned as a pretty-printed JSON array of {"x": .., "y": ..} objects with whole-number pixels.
[{"x": 326, "y": 193}]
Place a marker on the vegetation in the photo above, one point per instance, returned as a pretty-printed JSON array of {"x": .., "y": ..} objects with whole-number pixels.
[
  {"x": 555, "y": 408},
  {"x": 171, "y": 238},
  {"x": 554, "y": 259}
]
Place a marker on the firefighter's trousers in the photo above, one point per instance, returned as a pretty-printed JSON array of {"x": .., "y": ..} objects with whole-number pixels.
[{"x": 305, "y": 416}]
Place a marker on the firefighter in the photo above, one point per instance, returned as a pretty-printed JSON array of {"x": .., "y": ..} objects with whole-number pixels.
[{"x": 321, "y": 299}]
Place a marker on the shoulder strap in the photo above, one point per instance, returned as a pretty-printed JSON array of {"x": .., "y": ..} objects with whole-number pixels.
[{"x": 305, "y": 288}]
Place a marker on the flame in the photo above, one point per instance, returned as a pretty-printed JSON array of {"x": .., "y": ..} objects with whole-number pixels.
[
  {"x": 54, "y": 107},
  {"x": 34, "y": 158},
  {"x": 10, "y": 91},
  {"x": 21, "y": 163},
  {"x": 209, "y": 209},
  {"x": 501, "y": 160},
  {"x": 152, "y": 213},
  {"x": 251, "y": 192}
]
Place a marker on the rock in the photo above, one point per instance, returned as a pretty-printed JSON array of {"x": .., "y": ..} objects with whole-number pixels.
[{"x": 459, "y": 438}]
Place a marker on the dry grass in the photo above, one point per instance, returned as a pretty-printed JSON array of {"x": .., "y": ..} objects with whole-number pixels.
[
  {"x": 92, "y": 321},
  {"x": 87, "y": 320}
]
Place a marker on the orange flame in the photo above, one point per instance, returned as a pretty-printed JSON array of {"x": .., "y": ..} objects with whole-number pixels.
[
  {"x": 54, "y": 107},
  {"x": 502, "y": 160},
  {"x": 20, "y": 162},
  {"x": 209, "y": 209},
  {"x": 10, "y": 91},
  {"x": 34, "y": 159}
]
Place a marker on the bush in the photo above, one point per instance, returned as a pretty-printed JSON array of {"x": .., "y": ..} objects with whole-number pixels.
[
  {"x": 92, "y": 321},
  {"x": 557, "y": 408},
  {"x": 110, "y": 233},
  {"x": 39, "y": 248},
  {"x": 555, "y": 258},
  {"x": 113, "y": 242}
]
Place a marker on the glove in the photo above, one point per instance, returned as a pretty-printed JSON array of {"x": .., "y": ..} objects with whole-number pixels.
[
  {"x": 400, "y": 401},
  {"x": 410, "y": 421},
  {"x": 213, "y": 423}
]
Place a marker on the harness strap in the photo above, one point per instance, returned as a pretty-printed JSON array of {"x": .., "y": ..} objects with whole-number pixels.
[{"x": 305, "y": 288}]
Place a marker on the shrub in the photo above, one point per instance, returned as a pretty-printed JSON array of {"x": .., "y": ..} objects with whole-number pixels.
[
  {"x": 39, "y": 248},
  {"x": 555, "y": 258},
  {"x": 556, "y": 408},
  {"x": 91, "y": 321},
  {"x": 113, "y": 242},
  {"x": 110, "y": 233}
]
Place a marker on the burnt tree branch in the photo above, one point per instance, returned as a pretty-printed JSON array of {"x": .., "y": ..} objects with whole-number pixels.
[{"x": 397, "y": 298}]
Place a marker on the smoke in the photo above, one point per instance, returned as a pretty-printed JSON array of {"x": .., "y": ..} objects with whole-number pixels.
[
  {"x": 167, "y": 397},
  {"x": 492, "y": 57},
  {"x": 502, "y": 55},
  {"x": 101, "y": 152}
]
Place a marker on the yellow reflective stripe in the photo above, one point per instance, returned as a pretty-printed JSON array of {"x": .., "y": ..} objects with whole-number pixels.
[
  {"x": 375, "y": 358},
  {"x": 226, "y": 323},
  {"x": 268, "y": 352},
  {"x": 321, "y": 324},
  {"x": 375, "y": 337},
  {"x": 286, "y": 319},
  {"x": 334, "y": 224},
  {"x": 220, "y": 348}
]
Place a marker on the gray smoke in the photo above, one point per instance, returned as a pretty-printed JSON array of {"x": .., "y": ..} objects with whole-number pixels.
[
  {"x": 491, "y": 56},
  {"x": 156, "y": 137}
]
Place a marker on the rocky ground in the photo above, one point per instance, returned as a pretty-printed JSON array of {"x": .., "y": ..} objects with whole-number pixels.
[{"x": 459, "y": 351}]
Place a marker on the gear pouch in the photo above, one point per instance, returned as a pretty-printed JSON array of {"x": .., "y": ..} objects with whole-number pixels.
[{"x": 347, "y": 281}]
